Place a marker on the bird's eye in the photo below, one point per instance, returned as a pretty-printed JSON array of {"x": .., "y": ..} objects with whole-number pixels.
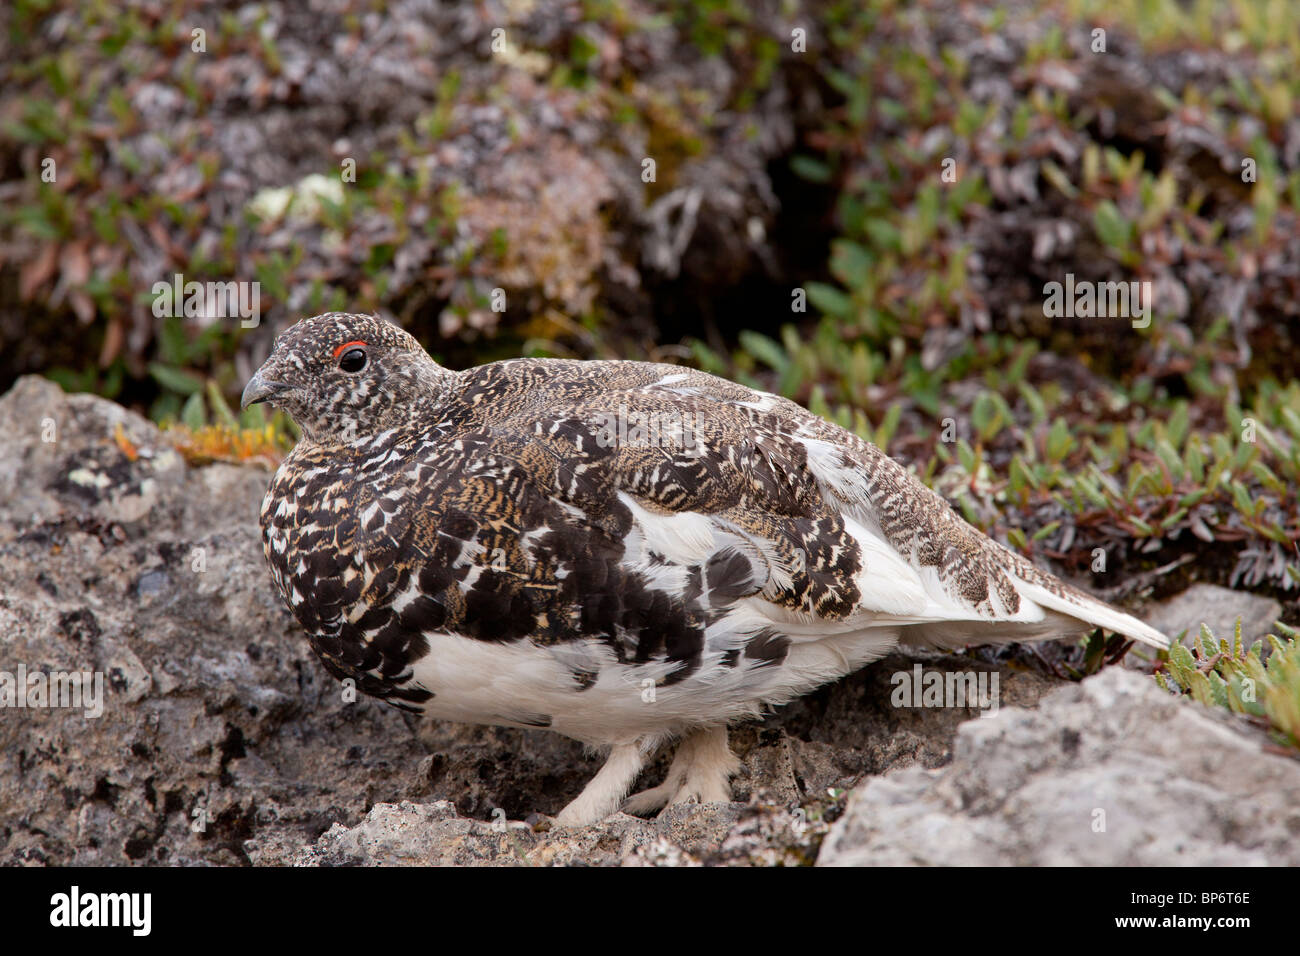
[{"x": 353, "y": 360}]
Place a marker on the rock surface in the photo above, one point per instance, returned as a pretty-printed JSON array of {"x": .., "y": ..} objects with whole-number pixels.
[
  {"x": 1219, "y": 608},
  {"x": 223, "y": 741},
  {"x": 1111, "y": 771}
]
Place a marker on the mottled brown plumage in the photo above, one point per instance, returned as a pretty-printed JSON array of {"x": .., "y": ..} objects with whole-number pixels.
[{"x": 622, "y": 551}]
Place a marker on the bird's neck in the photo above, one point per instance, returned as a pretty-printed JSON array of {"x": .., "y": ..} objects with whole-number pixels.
[{"x": 407, "y": 414}]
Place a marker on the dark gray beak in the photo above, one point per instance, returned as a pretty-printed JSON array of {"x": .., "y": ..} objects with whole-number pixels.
[{"x": 259, "y": 389}]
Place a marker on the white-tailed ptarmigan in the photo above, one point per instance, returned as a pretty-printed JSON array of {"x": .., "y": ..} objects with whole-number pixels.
[{"x": 540, "y": 542}]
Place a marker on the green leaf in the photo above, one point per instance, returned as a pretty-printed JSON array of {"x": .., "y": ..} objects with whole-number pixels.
[
  {"x": 1241, "y": 498},
  {"x": 850, "y": 263},
  {"x": 1170, "y": 459},
  {"x": 1218, "y": 690},
  {"x": 1178, "y": 424},
  {"x": 175, "y": 379},
  {"x": 1046, "y": 530},
  {"x": 1181, "y": 664},
  {"x": 1090, "y": 491},
  {"x": 889, "y": 425},
  {"x": 986, "y": 416},
  {"x": 1059, "y": 441},
  {"x": 884, "y": 234},
  {"x": 253, "y": 418},
  {"x": 830, "y": 300},
  {"x": 219, "y": 406},
  {"x": 1291, "y": 420},
  {"x": 1143, "y": 528},
  {"x": 966, "y": 455},
  {"x": 705, "y": 357},
  {"x": 194, "y": 414},
  {"x": 1204, "y": 641},
  {"x": 1112, "y": 228},
  {"x": 1037, "y": 408},
  {"x": 813, "y": 170},
  {"x": 1268, "y": 478},
  {"x": 1194, "y": 462}
]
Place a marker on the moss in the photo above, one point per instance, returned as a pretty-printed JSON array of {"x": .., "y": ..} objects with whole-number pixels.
[{"x": 213, "y": 443}]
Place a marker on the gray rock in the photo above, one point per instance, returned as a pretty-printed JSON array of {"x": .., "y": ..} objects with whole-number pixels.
[
  {"x": 1219, "y": 608},
  {"x": 217, "y": 721},
  {"x": 1112, "y": 771}
]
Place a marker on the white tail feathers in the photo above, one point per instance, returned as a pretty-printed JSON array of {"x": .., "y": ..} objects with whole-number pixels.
[{"x": 1091, "y": 611}]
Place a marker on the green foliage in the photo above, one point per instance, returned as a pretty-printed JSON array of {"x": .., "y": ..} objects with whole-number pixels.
[{"x": 1219, "y": 673}]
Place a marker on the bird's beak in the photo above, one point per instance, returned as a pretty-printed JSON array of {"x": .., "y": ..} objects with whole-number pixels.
[{"x": 259, "y": 389}]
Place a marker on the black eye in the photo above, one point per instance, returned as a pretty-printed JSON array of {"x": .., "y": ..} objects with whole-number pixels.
[{"x": 353, "y": 360}]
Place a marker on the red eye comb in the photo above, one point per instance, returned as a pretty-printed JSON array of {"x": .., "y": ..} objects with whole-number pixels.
[{"x": 346, "y": 345}]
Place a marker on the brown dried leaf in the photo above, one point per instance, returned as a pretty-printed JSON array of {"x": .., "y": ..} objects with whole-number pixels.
[
  {"x": 38, "y": 271},
  {"x": 114, "y": 336},
  {"x": 83, "y": 306},
  {"x": 74, "y": 263}
]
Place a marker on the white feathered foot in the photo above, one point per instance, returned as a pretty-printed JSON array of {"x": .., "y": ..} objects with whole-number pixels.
[
  {"x": 603, "y": 794},
  {"x": 700, "y": 772}
]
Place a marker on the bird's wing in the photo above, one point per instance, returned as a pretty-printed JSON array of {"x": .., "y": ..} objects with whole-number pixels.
[{"x": 801, "y": 523}]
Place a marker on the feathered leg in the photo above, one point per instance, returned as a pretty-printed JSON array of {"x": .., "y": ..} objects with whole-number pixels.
[
  {"x": 700, "y": 773},
  {"x": 656, "y": 798},
  {"x": 605, "y": 792},
  {"x": 712, "y": 766}
]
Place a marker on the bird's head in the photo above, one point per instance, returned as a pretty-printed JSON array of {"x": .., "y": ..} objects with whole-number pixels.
[{"x": 345, "y": 377}]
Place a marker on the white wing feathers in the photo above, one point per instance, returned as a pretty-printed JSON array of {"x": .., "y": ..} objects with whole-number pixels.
[{"x": 1073, "y": 610}]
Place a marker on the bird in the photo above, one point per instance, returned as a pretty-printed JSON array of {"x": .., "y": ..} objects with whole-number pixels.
[{"x": 627, "y": 553}]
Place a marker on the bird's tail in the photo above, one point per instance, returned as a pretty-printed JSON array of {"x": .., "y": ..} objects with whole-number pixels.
[
  {"x": 1069, "y": 613},
  {"x": 1083, "y": 607}
]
